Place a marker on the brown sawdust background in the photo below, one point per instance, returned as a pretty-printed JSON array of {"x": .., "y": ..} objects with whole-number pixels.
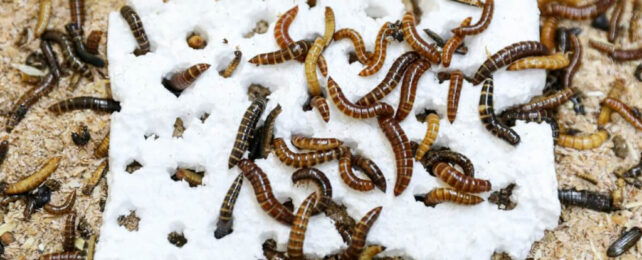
[{"x": 581, "y": 234}]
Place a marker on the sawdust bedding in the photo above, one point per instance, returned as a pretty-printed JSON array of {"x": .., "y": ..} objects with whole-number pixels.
[{"x": 581, "y": 233}]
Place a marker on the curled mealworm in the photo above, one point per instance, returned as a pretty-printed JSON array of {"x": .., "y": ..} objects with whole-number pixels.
[
  {"x": 34, "y": 180},
  {"x": 76, "y": 37},
  {"x": 627, "y": 240},
  {"x": 584, "y": 12},
  {"x": 349, "y": 177},
  {"x": 43, "y": 17},
  {"x": 136, "y": 26},
  {"x": 103, "y": 147},
  {"x": 297, "y": 234},
  {"x": 453, "y": 44},
  {"x": 391, "y": 80},
  {"x": 506, "y": 56},
  {"x": 93, "y": 41},
  {"x": 575, "y": 62},
  {"x": 401, "y": 148},
  {"x": 358, "y": 242},
  {"x": 283, "y": 25},
  {"x": 454, "y": 92},
  {"x": 375, "y": 63},
  {"x": 430, "y": 137},
  {"x": 52, "y": 60},
  {"x": 624, "y": 110},
  {"x": 617, "y": 88},
  {"x": 321, "y": 104},
  {"x": 263, "y": 192},
  {"x": 614, "y": 22},
  {"x": 489, "y": 119},
  {"x": 438, "y": 155},
  {"x": 292, "y": 51},
  {"x": 357, "y": 41},
  {"x": 355, "y": 111},
  {"x": 244, "y": 133},
  {"x": 321, "y": 181},
  {"x": 63, "y": 208},
  {"x": 317, "y": 144},
  {"x": 68, "y": 51},
  {"x": 299, "y": 160},
  {"x": 95, "y": 178},
  {"x": 92, "y": 103},
  {"x": 22, "y": 105},
  {"x": 481, "y": 25},
  {"x": 549, "y": 102},
  {"x": 329, "y": 26},
  {"x": 440, "y": 195},
  {"x": 551, "y": 62},
  {"x": 460, "y": 181},
  {"x": 586, "y": 199},
  {"x": 75, "y": 255},
  {"x": 314, "y": 89},
  {"x": 227, "y": 72},
  {"x": 183, "y": 79},
  {"x": 371, "y": 170},
  {"x": 409, "y": 87},
  {"x": 225, "y": 218},
  {"x": 194, "y": 179},
  {"x": 413, "y": 38},
  {"x": 583, "y": 142},
  {"x": 547, "y": 34}
]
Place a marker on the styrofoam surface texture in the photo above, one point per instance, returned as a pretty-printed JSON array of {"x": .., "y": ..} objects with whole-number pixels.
[{"x": 406, "y": 227}]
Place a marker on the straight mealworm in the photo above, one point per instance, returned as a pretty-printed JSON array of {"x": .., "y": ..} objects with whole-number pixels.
[
  {"x": 317, "y": 144},
  {"x": 34, "y": 180},
  {"x": 95, "y": 178},
  {"x": 44, "y": 15},
  {"x": 409, "y": 87},
  {"x": 103, "y": 147},
  {"x": 431, "y": 136},
  {"x": 225, "y": 218},
  {"x": 551, "y": 62},
  {"x": 297, "y": 234},
  {"x": 78, "y": 103}
]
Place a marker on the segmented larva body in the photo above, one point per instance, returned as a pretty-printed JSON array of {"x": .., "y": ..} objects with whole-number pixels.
[
  {"x": 460, "y": 181},
  {"x": 103, "y": 148},
  {"x": 475, "y": 3},
  {"x": 321, "y": 104},
  {"x": 44, "y": 14},
  {"x": 549, "y": 102},
  {"x": 93, "y": 103},
  {"x": 69, "y": 233},
  {"x": 225, "y": 218},
  {"x": 453, "y": 44},
  {"x": 369, "y": 252},
  {"x": 454, "y": 92},
  {"x": 21, "y": 107},
  {"x": 584, "y": 12},
  {"x": 575, "y": 61},
  {"x": 371, "y": 170},
  {"x": 321, "y": 181},
  {"x": 227, "y": 72},
  {"x": 586, "y": 199},
  {"x": 93, "y": 41},
  {"x": 76, "y": 37},
  {"x": 183, "y": 79},
  {"x": 627, "y": 240},
  {"x": 95, "y": 178},
  {"x": 617, "y": 88},
  {"x": 440, "y": 195},
  {"x": 76, "y": 255},
  {"x": 434, "y": 156},
  {"x": 507, "y": 56},
  {"x": 547, "y": 35},
  {"x": 626, "y": 54},
  {"x": 430, "y": 137},
  {"x": 537, "y": 116},
  {"x": 379, "y": 55},
  {"x": 551, "y": 62},
  {"x": 635, "y": 24},
  {"x": 263, "y": 192},
  {"x": 52, "y": 60},
  {"x": 268, "y": 130},
  {"x": 401, "y": 148},
  {"x": 316, "y": 144},
  {"x": 63, "y": 208},
  {"x": 91, "y": 248},
  {"x": 244, "y": 133},
  {"x": 300, "y": 225},
  {"x": 77, "y": 9},
  {"x": 349, "y": 177},
  {"x": 413, "y": 38},
  {"x": 314, "y": 89},
  {"x": 34, "y": 180},
  {"x": 583, "y": 142},
  {"x": 409, "y": 87},
  {"x": 481, "y": 25},
  {"x": 194, "y": 179},
  {"x": 283, "y": 25},
  {"x": 299, "y": 160},
  {"x": 292, "y": 51},
  {"x": 355, "y": 111},
  {"x": 614, "y": 21},
  {"x": 329, "y": 26},
  {"x": 489, "y": 119},
  {"x": 359, "y": 235},
  {"x": 67, "y": 50},
  {"x": 625, "y": 111},
  {"x": 136, "y": 26},
  {"x": 357, "y": 41},
  {"x": 391, "y": 80}
]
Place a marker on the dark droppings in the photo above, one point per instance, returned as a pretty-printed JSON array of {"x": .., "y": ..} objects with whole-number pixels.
[
  {"x": 177, "y": 239},
  {"x": 502, "y": 198},
  {"x": 82, "y": 137}
]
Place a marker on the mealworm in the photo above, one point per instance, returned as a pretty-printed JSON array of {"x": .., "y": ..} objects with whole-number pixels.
[
  {"x": 136, "y": 26},
  {"x": 103, "y": 147},
  {"x": 409, "y": 87},
  {"x": 75, "y": 255},
  {"x": 359, "y": 235},
  {"x": 192, "y": 178},
  {"x": 52, "y": 60},
  {"x": 299, "y": 160},
  {"x": 227, "y": 72},
  {"x": 355, "y": 111},
  {"x": 475, "y": 3},
  {"x": 624, "y": 110},
  {"x": 264, "y": 144},
  {"x": 454, "y": 92},
  {"x": 549, "y": 102},
  {"x": 453, "y": 44},
  {"x": 317, "y": 144},
  {"x": 547, "y": 34},
  {"x": 76, "y": 37},
  {"x": 489, "y": 119},
  {"x": 438, "y": 155},
  {"x": 481, "y": 25},
  {"x": 297, "y": 233},
  {"x": 63, "y": 208},
  {"x": 551, "y": 62},
  {"x": 292, "y": 51},
  {"x": 263, "y": 192},
  {"x": 22, "y": 105},
  {"x": 371, "y": 170},
  {"x": 357, "y": 41},
  {"x": 440, "y": 195},
  {"x": 635, "y": 23},
  {"x": 614, "y": 22},
  {"x": 401, "y": 148},
  {"x": 348, "y": 176},
  {"x": 413, "y": 38},
  {"x": 34, "y": 180},
  {"x": 79, "y": 103},
  {"x": 44, "y": 15},
  {"x": 314, "y": 89},
  {"x": 4, "y": 148},
  {"x": 586, "y": 199},
  {"x": 321, "y": 181},
  {"x": 617, "y": 88},
  {"x": 537, "y": 116},
  {"x": 282, "y": 26},
  {"x": 391, "y": 80},
  {"x": 575, "y": 61},
  {"x": 329, "y": 26},
  {"x": 375, "y": 63},
  {"x": 583, "y": 142},
  {"x": 77, "y": 10},
  {"x": 244, "y": 133},
  {"x": 183, "y": 79},
  {"x": 583, "y": 12},
  {"x": 69, "y": 233},
  {"x": 91, "y": 248},
  {"x": 506, "y": 56},
  {"x": 460, "y": 181},
  {"x": 225, "y": 219},
  {"x": 68, "y": 51},
  {"x": 430, "y": 137},
  {"x": 627, "y": 240},
  {"x": 369, "y": 252},
  {"x": 93, "y": 41},
  {"x": 95, "y": 178},
  {"x": 321, "y": 104}
]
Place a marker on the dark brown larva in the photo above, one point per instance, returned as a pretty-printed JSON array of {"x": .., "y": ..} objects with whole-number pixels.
[
  {"x": 95, "y": 178},
  {"x": 443, "y": 155},
  {"x": 183, "y": 79},
  {"x": 357, "y": 41},
  {"x": 549, "y": 102},
  {"x": 264, "y": 145},
  {"x": 355, "y": 111},
  {"x": 391, "y": 80},
  {"x": 34, "y": 180},
  {"x": 576, "y": 60},
  {"x": 136, "y": 26},
  {"x": 401, "y": 147},
  {"x": 627, "y": 240},
  {"x": 297, "y": 234},
  {"x": 321, "y": 104},
  {"x": 547, "y": 34},
  {"x": 584, "y": 12},
  {"x": 292, "y": 51},
  {"x": 78, "y": 103},
  {"x": 77, "y": 9},
  {"x": 76, "y": 255},
  {"x": 93, "y": 41},
  {"x": 4, "y": 148},
  {"x": 359, "y": 235},
  {"x": 440, "y": 195},
  {"x": 381, "y": 45},
  {"x": 317, "y": 144},
  {"x": 67, "y": 50},
  {"x": 624, "y": 110},
  {"x": 507, "y": 56},
  {"x": 586, "y": 199},
  {"x": 371, "y": 170},
  {"x": 244, "y": 133},
  {"x": 454, "y": 91},
  {"x": 225, "y": 218},
  {"x": 52, "y": 60},
  {"x": 460, "y": 181},
  {"x": 263, "y": 192},
  {"x": 614, "y": 22},
  {"x": 489, "y": 119},
  {"x": 76, "y": 37},
  {"x": 227, "y": 72},
  {"x": 63, "y": 208},
  {"x": 299, "y": 160},
  {"x": 349, "y": 177},
  {"x": 481, "y": 25},
  {"x": 409, "y": 87},
  {"x": 413, "y": 38},
  {"x": 69, "y": 233},
  {"x": 103, "y": 147},
  {"x": 321, "y": 181},
  {"x": 21, "y": 107}
]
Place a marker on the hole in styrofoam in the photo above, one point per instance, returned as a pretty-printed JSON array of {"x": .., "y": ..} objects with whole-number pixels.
[
  {"x": 179, "y": 128},
  {"x": 177, "y": 238},
  {"x": 261, "y": 27},
  {"x": 375, "y": 11},
  {"x": 133, "y": 166},
  {"x": 288, "y": 204},
  {"x": 197, "y": 39},
  {"x": 151, "y": 135},
  {"x": 193, "y": 177},
  {"x": 129, "y": 221}
]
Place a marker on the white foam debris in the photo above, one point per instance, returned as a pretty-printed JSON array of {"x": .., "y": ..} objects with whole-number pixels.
[{"x": 406, "y": 227}]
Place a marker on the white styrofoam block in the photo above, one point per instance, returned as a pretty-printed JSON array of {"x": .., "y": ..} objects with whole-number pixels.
[{"x": 405, "y": 227}]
